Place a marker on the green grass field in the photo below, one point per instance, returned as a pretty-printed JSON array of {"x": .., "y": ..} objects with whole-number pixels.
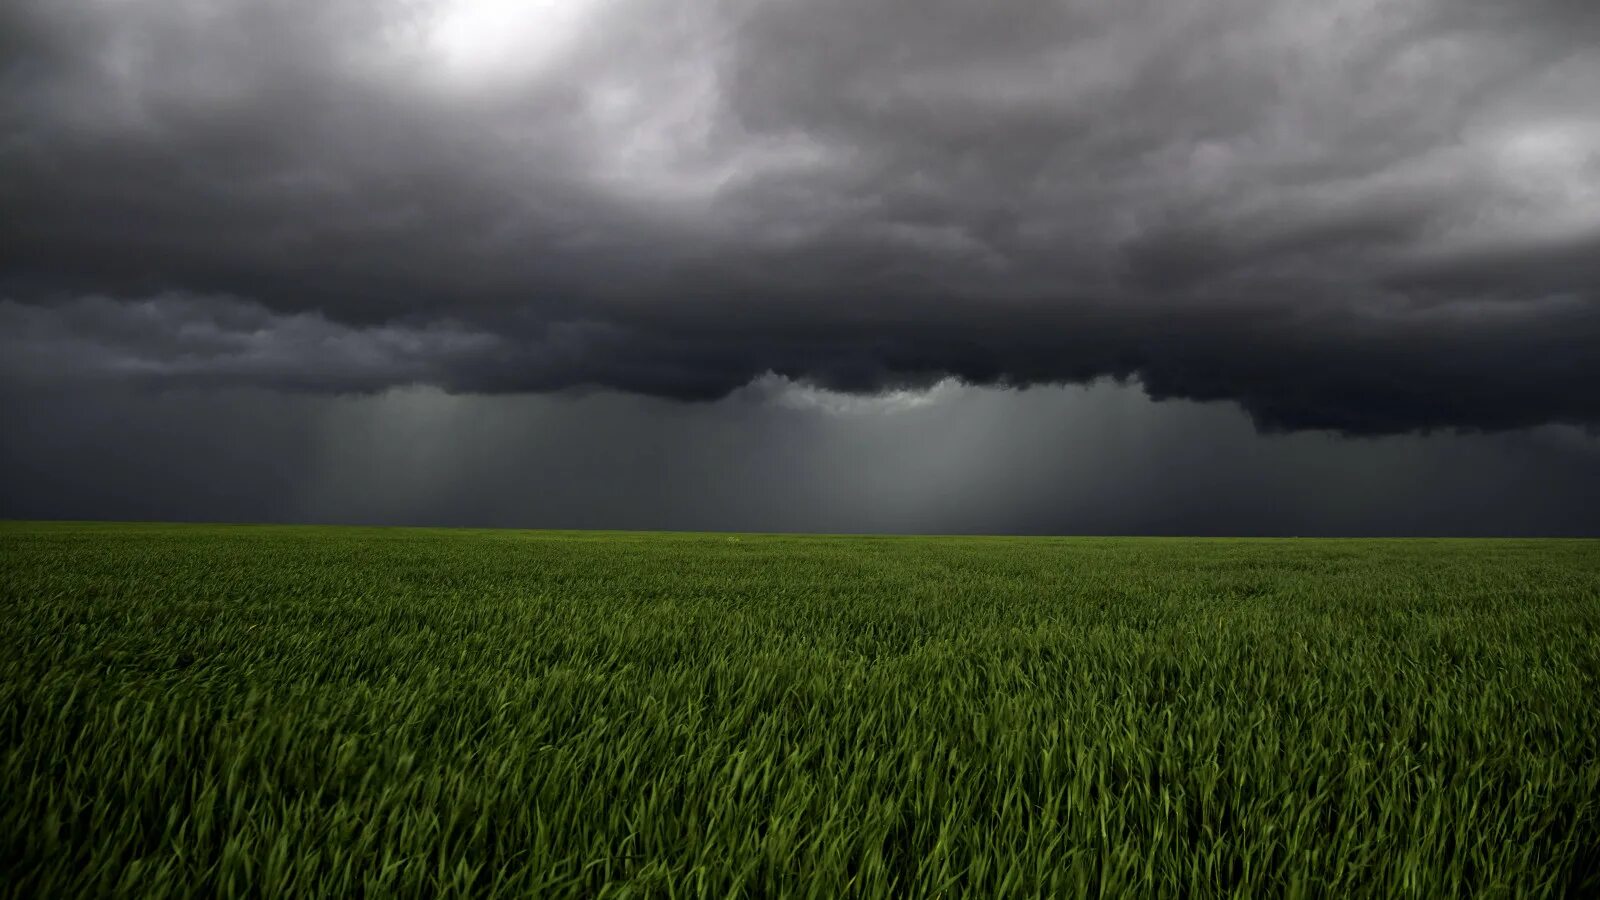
[{"x": 273, "y": 711}]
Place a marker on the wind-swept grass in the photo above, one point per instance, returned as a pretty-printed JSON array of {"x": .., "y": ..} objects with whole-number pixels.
[{"x": 194, "y": 711}]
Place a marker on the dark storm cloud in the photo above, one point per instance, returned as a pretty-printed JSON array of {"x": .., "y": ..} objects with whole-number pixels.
[{"x": 1366, "y": 215}]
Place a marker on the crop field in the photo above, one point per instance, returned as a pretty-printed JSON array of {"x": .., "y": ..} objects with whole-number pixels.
[{"x": 202, "y": 711}]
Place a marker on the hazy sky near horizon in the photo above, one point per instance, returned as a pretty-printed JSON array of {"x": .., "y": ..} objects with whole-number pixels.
[
  {"x": 1263, "y": 266},
  {"x": 1078, "y": 460}
]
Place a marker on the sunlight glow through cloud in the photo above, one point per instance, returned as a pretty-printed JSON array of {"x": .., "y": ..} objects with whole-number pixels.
[{"x": 479, "y": 41}]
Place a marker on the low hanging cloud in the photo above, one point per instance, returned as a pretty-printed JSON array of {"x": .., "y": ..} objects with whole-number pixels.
[{"x": 1372, "y": 216}]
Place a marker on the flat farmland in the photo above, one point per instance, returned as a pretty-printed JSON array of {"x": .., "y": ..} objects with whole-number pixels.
[{"x": 230, "y": 711}]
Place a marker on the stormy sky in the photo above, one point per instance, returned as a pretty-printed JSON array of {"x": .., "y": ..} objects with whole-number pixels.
[{"x": 1224, "y": 266}]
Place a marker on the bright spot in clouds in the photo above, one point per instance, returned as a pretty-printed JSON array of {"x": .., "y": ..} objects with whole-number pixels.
[
  {"x": 485, "y": 40},
  {"x": 1555, "y": 162},
  {"x": 790, "y": 394}
]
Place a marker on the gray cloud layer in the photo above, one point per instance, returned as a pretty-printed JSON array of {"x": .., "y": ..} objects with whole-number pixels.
[{"x": 1366, "y": 215}]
